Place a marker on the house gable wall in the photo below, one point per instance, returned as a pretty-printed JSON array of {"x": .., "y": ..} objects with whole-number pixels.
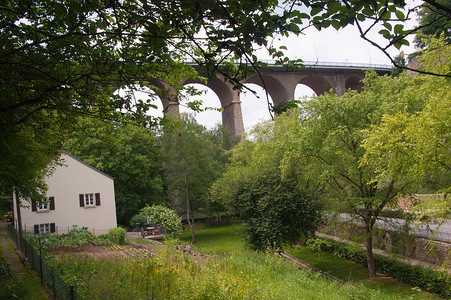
[{"x": 65, "y": 185}]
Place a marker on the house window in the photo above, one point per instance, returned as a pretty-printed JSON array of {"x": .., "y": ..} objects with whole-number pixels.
[
  {"x": 44, "y": 206},
  {"x": 89, "y": 200},
  {"x": 44, "y": 228}
]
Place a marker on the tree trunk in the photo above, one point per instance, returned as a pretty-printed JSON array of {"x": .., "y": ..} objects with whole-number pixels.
[
  {"x": 19, "y": 218},
  {"x": 369, "y": 252},
  {"x": 190, "y": 221},
  {"x": 193, "y": 238},
  {"x": 189, "y": 213}
]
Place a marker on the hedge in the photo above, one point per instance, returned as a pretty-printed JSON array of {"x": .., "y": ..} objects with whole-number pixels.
[
  {"x": 429, "y": 280},
  {"x": 117, "y": 235}
]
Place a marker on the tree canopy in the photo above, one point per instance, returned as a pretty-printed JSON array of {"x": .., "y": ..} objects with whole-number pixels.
[
  {"x": 191, "y": 162},
  {"x": 320, "y": 146},
  {"x": 276, "y": 210},
  {"x": 64, "y": 59},
  {"x": 127, "y": 152},
  {"x": 434, "y": 21},
  {"x": 414, "y": 146}
]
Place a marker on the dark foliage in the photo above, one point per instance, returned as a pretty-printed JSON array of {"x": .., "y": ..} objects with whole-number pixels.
[{"x": 276, "y": 213}]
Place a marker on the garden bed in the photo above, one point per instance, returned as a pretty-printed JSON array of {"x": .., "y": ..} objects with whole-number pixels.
[{"x": 107, "y": 251}]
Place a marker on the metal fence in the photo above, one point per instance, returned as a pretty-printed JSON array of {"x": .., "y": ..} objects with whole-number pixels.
[{"x": 50, "y": 279}]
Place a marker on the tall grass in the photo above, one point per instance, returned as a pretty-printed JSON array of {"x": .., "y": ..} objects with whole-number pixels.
[
  {"x": 232, "y": 273},
  {"x": 174, "y": 275},
  {"x": 228, "y": 241}
]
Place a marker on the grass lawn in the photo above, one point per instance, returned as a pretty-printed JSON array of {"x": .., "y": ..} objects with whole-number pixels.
[
  {"x": 217, "y": 239},
  {"x": 222, "y": 239},
  {"x": 353, "y": 272}
]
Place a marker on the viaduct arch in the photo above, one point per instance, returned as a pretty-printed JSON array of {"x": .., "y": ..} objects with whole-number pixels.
[{"x": 280, "y": 85}]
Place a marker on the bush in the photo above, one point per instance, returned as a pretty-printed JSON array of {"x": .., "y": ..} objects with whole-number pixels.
[
  {"x": 430, "y": 280},
  {"x": 140, "y": 218},
  {"x": 276, "y": 213},
  {"x": 117, "y": 235},
  {"x": 164, "y": 216}
]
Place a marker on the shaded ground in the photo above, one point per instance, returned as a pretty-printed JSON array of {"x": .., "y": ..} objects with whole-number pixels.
[
  {"x": 8, "y": 248},
  {"x": 23, "y": 283}
]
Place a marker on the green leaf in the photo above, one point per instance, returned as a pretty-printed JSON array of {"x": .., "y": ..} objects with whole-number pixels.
[
  {"x": 399, "y": 28},
  {"x": 400, "y": 15},
  {"x": 385, "y": 33},
  {"x": 388, "y": 25},
  {"x": 316, "y": 10},
  {"x": 333, "y": 7},
  {"x": 361, "y": 17},
  {"x": 304, "y": 16},
  {"x": 293, "y": 27},
  {"x": 336, "y": 24},
  {"x": 400, "y": 43},
  {"x": 368, "y": 11}
]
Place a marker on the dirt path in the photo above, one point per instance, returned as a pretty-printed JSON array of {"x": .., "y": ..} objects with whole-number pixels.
[{"x": 8, "y": 248}]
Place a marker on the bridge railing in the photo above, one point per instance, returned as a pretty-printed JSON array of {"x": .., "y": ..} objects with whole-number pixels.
[{"x": 327, "y": 64}]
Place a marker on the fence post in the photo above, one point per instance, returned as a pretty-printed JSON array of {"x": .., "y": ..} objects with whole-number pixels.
[
  {"x": 41, "y": 271},
  {"x": 72, "y": 296},
  {"x": 53, "y": 283}
]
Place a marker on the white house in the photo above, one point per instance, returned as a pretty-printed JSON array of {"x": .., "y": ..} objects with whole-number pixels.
[{"x": 78, "y": 194}]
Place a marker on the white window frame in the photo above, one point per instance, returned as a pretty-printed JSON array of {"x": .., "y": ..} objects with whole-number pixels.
[
  {"x": 43, "y": 206},
  {"x": 90, "y": 200},
  {"x": 44, "y": 228}
]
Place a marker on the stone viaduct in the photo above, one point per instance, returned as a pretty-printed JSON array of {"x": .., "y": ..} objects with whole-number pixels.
[{"x": 280, "y": 84}]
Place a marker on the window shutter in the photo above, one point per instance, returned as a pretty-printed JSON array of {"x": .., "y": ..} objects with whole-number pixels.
[
  {"x": 33, "y": 205},
  {"x": 36, "y": 229},
  {"x": 52, "y": 203},
  {"x": 82, "y": 200},
  {"x": 52, "y": 227},
  {"x": 97, "y": 199}
]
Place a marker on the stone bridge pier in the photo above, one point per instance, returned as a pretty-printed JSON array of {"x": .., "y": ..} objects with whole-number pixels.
[{"x": 280, "y": 84}]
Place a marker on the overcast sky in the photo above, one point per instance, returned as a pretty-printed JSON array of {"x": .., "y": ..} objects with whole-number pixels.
[{"x": 327, "y": 45}]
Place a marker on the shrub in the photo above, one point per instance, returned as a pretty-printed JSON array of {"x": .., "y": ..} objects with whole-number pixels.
[
  {"x": 164, "y": 216},
  {"x": 276, "y": 212},
  {"x": 117, "y": 235},
  {"x": 430, "y": 280},
  {"x": 140, "y": 218}
]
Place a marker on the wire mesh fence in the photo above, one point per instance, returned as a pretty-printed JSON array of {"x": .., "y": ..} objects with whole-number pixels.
[{"x": 50, "y": 279}]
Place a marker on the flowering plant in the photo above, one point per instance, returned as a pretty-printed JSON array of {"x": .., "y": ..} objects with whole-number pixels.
[{"x": 164, "y": 216}]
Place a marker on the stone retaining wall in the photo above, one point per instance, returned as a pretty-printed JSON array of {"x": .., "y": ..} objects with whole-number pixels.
[{"x": 435, "y": 252}]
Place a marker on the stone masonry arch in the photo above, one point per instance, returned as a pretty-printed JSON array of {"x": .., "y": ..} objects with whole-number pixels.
[
  {"x": 170, "y": 107},
  {"x": 354, "y": 83},
  {"x": 280, "y": 85},
  {"x": 278, "y": 90},
  {"x": 319, "y": 84}
]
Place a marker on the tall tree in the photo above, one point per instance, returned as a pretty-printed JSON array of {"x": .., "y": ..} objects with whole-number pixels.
[
  {"x": 127, "y": 152},
  {"x": 190, "y": 164},
  {"x": 277, "y": 209},
  {"x": 417, "y": 145},
  {"x": 220, "y": 136},
  {"x": 322, "y": 144}
]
